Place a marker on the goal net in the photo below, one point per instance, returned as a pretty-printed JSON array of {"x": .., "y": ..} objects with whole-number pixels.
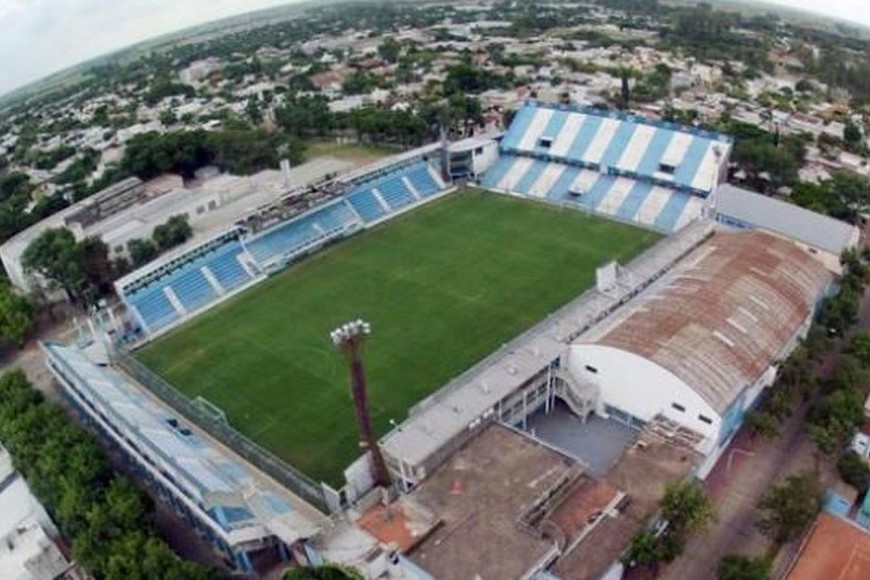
[{"x": 211, "y": 410}]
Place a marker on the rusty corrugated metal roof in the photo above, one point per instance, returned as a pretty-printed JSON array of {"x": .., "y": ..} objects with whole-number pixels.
[{"x": 720, "y": 318}]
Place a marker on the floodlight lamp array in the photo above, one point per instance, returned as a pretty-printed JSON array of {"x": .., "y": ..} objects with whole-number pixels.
[{"x": 349, "y": 331}]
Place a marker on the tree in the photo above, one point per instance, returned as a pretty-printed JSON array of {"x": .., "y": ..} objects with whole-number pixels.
[
  {"x": 359, "y": 83},
  {"x": 833, "y": 420},
  {"x": 173, "y": 233},
  {"x": 625, "y": 90},
  {"x": 762, "y": 424},
  {"x": 859, "y": 346},
  {"x": 649, "y": 549},
  {"x": 253, "y": 110},
  {"x": 17, "y": 315},
  {"x": 327, "y": 572},
  {"x": 306, "y": 116},
  {"x": 686, "y": 506},
  {"x": 644, "y": 550},
  {"x": 789, "y": 507},
  {"x": 168, "y": 117},
  {"x": 805, "y": 86},
  {"x": 735, "y": 567},
  {"x": 108, "y": 520},
  {"x": 98, "y": 268},
  {"x": 465, "y": 78},
  {"x": 237, "y": 149},
  {"x": 852, "y": 134},
  {"x": 854, "y": 471},
  {"x": 56, "y": 255},
  {"x": 164, "y": 87},
  {"x": 839, "y": 312},
  {"x": 389, "y": 49},
  {"x": 101, "y": 116},
  {"x": 14, "y": 183},
  {"x": 141, "y": 251}
]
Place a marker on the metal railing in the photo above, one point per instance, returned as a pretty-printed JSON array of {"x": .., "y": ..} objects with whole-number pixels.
[{"x": 288, "y": 476}]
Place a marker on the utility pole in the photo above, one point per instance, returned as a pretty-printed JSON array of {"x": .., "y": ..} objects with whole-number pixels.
[{"x": 350, "y": 338}]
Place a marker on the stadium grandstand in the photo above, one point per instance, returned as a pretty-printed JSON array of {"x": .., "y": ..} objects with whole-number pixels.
[
  {"x": 200, "y": 275},
  {"x": 653, "y": 174},
  {"x": 242, "y": 514}
]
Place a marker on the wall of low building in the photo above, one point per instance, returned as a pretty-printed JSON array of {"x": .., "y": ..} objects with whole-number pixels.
[
  {"x": 484, "y": 157},
  {"x": 642, "y": 388}
]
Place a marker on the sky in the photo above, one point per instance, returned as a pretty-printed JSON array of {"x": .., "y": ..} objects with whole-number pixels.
[
  {"x": 40, "y": 37},
  {"x": 850, "y": 10}
]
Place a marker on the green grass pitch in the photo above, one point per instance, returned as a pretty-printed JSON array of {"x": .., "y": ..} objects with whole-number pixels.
[{"x": 443, "y": 286}]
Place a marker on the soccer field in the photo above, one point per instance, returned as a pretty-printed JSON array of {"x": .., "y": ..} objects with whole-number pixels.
[{"x": 443, "y": 286}]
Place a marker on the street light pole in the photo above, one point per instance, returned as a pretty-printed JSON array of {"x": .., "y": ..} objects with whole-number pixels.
[{"x": 350, "y": 338}]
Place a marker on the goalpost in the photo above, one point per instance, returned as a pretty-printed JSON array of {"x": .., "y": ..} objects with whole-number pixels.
[{"x": 211, "y": 410}]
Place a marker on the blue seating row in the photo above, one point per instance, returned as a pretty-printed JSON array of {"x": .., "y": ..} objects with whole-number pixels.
[
  {"x": 190, "y": 284},
  {"x": 393, "y": 191},
  {"x": 293, "y": 236}
]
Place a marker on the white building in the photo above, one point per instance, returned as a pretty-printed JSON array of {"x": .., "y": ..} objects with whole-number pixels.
[
  {"x": 694, "y": 351},
  {"x": 199, "y": 70},
  {"x": 27, "y": 547}
]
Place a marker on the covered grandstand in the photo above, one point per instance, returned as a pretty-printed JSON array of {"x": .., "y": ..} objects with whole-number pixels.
[
  {"x": 653, "y": 174},
  {"x": 640, "y": 382}
]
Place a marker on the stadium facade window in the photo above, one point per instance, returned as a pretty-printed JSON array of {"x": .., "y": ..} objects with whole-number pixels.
[
  {"x": 705, "y": 419},
  {"x": 665, "y": 168},
  {"x": 592, "y": 369},
  {"x": 545, "y": 142},
  {"x": 678, "y": 407}
]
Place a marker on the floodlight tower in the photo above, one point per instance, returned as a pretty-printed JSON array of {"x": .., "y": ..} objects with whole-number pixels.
[{"x": 350, "y": 338}]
